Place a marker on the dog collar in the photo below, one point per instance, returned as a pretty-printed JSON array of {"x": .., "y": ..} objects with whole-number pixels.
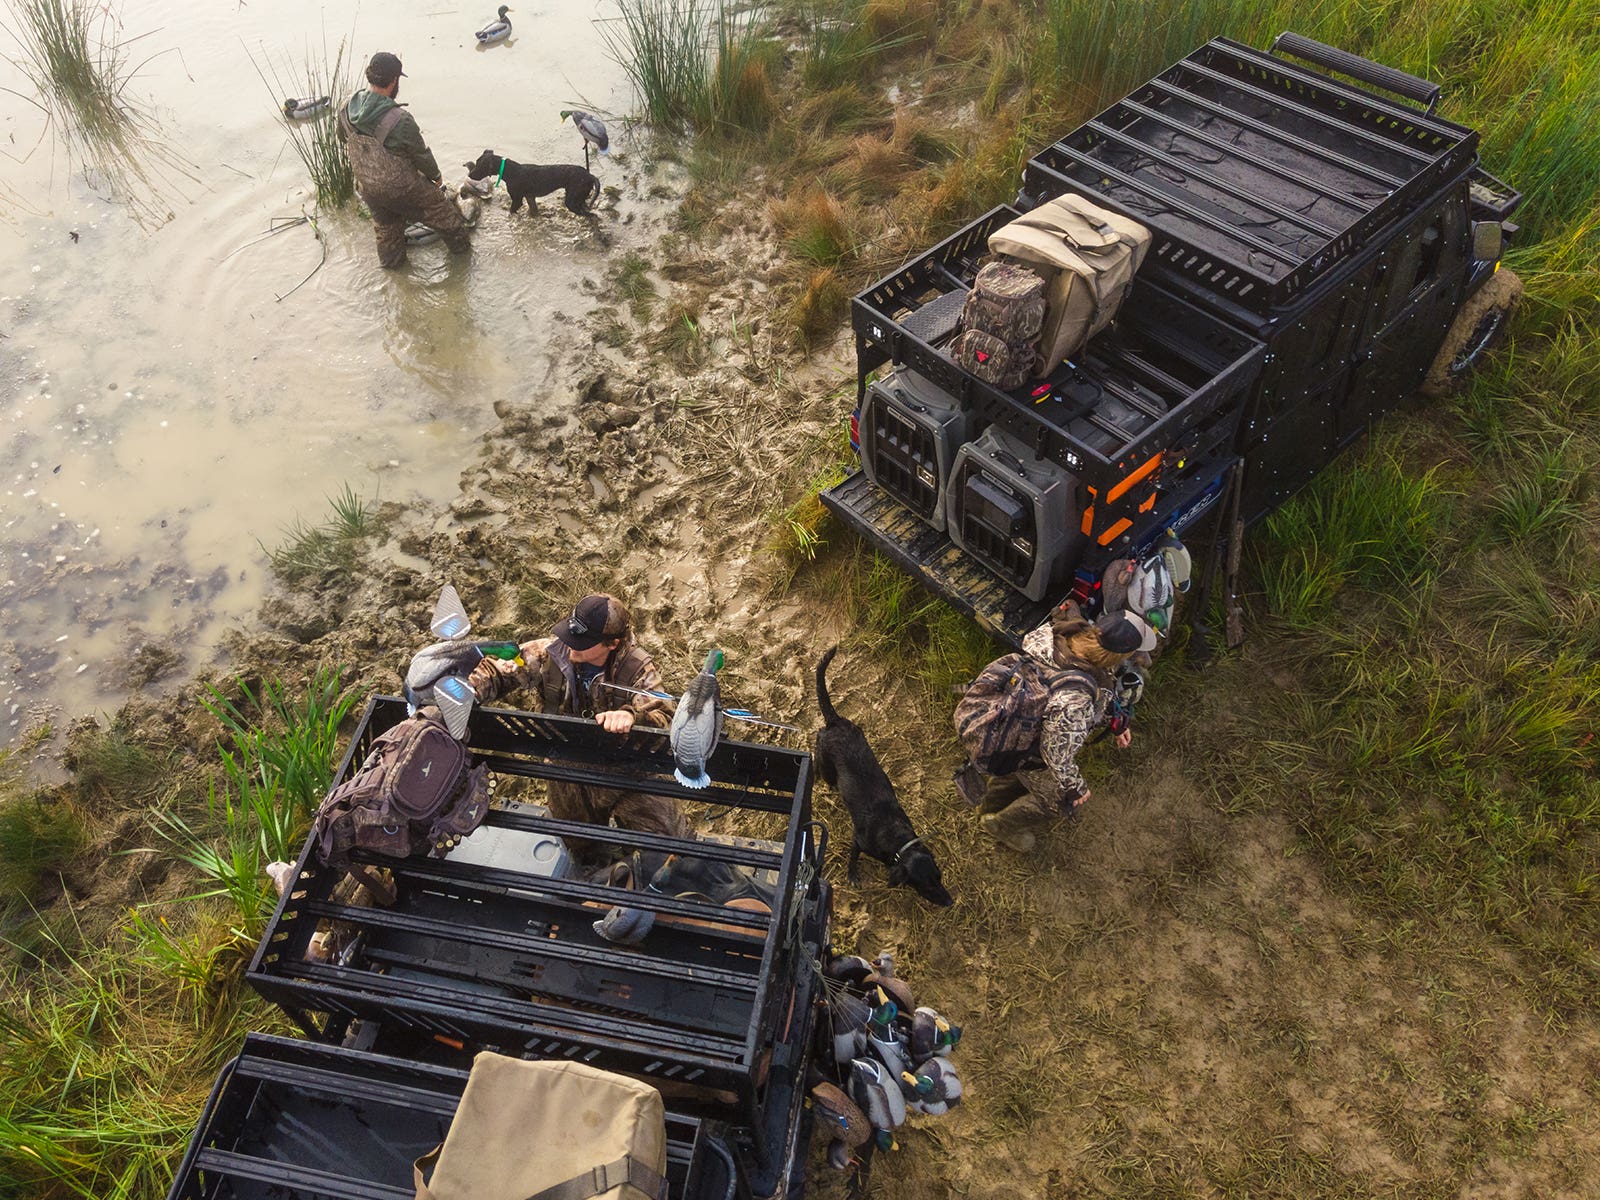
[
  {"x": 499, "y": 175},
  {"x": 906, "y": 847}
]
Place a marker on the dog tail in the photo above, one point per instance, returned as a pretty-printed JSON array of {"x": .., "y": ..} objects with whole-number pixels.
[{"x": 828, "y": 715}]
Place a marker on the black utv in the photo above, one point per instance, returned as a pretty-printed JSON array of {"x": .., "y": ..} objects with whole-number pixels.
[{"x": 1323, "y": 244}]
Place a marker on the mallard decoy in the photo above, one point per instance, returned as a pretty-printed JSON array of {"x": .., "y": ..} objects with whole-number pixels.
[
  {"x": 877, "y": 1094},
  {"x": 847, "y": 1126},
  {"x": 438, "y": 673},
  {"x": 944, "y": 1088},
  {"x": 591, "y": 129},
  {"x": 882, "y": 1039},
  {"x": 931, "y": 1035},
  {"x": 848, "y": 1016},
  {"x": 848, "y": 968},
  {"x": 305, "y": 109},
  {"x": 697, "y": 725},
  {"x": 497, "y": 30},
  {"x": 894, "y": 989}
]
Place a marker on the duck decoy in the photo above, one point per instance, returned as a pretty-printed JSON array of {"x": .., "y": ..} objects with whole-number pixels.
[
  {"x": 438, "y": 673},
  {"x": 893, "y": 988},
  {"x": 591, "y": 129},
  {"x": 306, "y": 108},
  {"x": 847, "y": 1126},
  {"x": 882, "y": 1039},
  {"x": 877, "y": 1094},
  {"x": 848, "y": 1016},
  {"x": 944, "y": 1088},
  {"x": 931, "y": 1035},
  {"x": 697, "y": 725},
  {"x": 625, "y": 926},
  {"x": 497, "y": 30}
]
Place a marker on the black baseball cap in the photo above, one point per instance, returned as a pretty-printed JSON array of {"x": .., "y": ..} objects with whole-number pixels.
[
  {"x": 384, "y": 69},
  {"x": 1123, "y": 633},
  {"x": 586, "y": 626}
]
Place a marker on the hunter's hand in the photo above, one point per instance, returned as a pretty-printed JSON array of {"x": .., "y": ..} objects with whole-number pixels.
[
  {"x": 1124, "y": 739},
  {"x": 618, "y": 720}
]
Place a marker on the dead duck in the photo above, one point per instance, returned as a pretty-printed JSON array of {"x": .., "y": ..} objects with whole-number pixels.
[
  {"x": 307, "y": 107},
  {"x": 497, "y": 30},
  {"x": 892, "y": 988},
  {"x": 438, "y": 673},
  {"x": 931, "y": 1035},
  {"x": 591, "y": 129},
  {"x": 697, "y": 725},
  {"x": 848, "y": 968},
  {"x": 418, "y": 234},
  {"x": 624, "y": 925},
  {"x": 847, "y": 1126},
  {"x": 943, "y": 1091},
  {"x": 877, "y": 1094}
]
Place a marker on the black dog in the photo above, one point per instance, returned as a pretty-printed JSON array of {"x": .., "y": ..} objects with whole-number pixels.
[
  {"x": 526, "y": 180},
  {"x": 882, "y": 829}
]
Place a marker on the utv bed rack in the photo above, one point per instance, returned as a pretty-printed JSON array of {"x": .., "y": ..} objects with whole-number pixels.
[
  {"x": 715, "y": 1007},
  {"x": 1257, "y": 175}
]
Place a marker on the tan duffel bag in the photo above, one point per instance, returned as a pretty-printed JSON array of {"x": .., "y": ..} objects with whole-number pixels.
[
  {"x": 549, "y": 1131},
  {"x": 1087, "y": 256}
]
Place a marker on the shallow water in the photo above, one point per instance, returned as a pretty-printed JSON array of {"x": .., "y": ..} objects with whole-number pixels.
[{"x": 165, "y": 413}]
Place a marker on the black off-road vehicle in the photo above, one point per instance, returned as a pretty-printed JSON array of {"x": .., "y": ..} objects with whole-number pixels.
[
  {"x": 716, "y": 1007},
  {"x": 1319, "y": 251}
]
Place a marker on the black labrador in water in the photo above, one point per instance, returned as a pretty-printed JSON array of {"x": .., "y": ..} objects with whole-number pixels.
[
  {"x": 882, "y": 829},
  {"x": 525, "y": 181}
]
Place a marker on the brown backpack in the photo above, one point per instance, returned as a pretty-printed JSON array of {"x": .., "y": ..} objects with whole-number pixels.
[
  {"x": 416, "y": 792},
  {"x": 1087, "y": 256},
  {"x": 1000, "y": 717},
  {"x": 1000, "y": 324}
]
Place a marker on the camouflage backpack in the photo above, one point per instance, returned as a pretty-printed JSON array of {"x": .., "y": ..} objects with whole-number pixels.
[
  {"x": 416, "y": 792},
  {"x": 1000, "y": 324},
  {"x": 1000, "y": 717}
]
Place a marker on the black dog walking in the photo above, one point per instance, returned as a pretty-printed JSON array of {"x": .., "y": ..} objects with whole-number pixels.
[
  {"x": 525, "y": 181},
  {"x": 882, "y": 830}
]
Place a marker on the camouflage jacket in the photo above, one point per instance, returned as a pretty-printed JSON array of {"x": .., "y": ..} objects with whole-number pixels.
[
  {"x": 366, "y": 109},
  {"x": 1070, "y": 717},
  {"x": 547, "y": 671}
]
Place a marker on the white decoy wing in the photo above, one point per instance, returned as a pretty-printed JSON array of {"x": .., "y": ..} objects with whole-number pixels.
[{"x": 450, "y": 618}]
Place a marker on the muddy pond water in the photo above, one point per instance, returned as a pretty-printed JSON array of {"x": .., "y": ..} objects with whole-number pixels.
[{"x": 166, "y": 414}]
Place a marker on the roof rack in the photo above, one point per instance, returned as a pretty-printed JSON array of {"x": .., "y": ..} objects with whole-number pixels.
[{"x": 1255, "y": 174}]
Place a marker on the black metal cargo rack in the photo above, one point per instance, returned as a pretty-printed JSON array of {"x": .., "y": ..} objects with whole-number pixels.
[
  {"x": 715, "y": 1006},
  {"x": 1175, "y": 375},
  {"x": 288, "y": 1117},
  {"x": 1256, "y": 175}
]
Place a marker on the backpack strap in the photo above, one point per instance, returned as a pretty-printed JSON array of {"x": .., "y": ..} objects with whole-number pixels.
[
  {"x": 387, "y": 122},
  {"x": 625, "y": 1170}
]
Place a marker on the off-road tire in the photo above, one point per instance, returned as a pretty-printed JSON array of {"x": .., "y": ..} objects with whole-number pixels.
[{"x": 1478, "y": 328}]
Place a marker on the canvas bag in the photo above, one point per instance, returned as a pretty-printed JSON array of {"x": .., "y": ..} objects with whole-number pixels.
[
  {"x": 555, "y": 1130},
  {"x": 416, "y": 791},
  {"x": 1000, "y": 716},
  {"x": 1087, "y": 256},
  {"x": 1000, "y": 323}
]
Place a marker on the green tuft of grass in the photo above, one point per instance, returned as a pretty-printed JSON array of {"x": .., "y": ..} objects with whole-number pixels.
[
  {"x": 316, "y": 142},
  {"x": 112, "y": 772},
  {"x": 333, "y": 547},
  {"x": 38, "y": 835},
  {"x": 819, "y": 308},
  {"x": 630, "y": 278}
]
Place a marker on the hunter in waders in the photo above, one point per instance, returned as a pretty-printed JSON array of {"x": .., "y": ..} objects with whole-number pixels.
[{"x": 395, "y": 171}]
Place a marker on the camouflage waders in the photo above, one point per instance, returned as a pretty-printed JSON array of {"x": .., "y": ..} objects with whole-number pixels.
[{"x": 397, "y": 194}]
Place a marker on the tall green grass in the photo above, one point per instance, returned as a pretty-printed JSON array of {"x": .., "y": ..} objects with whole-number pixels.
[
  {"x": 696, "y": 64},
  {"x": 331, "y": 547},
  {"x": 316, "y": 142}
]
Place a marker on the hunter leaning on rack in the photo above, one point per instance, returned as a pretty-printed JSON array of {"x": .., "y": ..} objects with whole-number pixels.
[
  {"x": 396, "y": 173},
  {"x": 568, "y": 672}
]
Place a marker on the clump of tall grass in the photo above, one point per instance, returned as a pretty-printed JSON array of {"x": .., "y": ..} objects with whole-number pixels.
[
  {"x": 74, "y": 54},
  {"x": 316, "y": 142},
  {"x": 816, "y": 311},
  {"x": 631, "y": 280},
  {"x": 696, "y": 64},
  {"x": 816, "y": 227},
  {"x": 38, "y": 835},
  {"x": 112, "y": 771},
  {"x": 331, "y": 547}
]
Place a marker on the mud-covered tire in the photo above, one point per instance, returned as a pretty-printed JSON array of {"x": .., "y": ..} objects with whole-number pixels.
[{"x": 1478, "y": 328}]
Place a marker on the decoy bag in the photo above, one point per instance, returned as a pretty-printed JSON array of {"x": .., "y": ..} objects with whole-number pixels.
[
  {"x": 557, "y": 1130},
  {"x": 1087, "y": 256},
  {"x": 416, "y": 792}
]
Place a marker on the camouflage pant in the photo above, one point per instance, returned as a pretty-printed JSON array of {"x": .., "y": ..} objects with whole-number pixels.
[
  {"x": 601, "y": 806},
  {"x": 1022, "y": 802},
  {"x": 397, "y": 196}
]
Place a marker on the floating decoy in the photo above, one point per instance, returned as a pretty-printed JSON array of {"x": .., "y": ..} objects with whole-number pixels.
[
  {"x": 697, "y": 725},
  {"x": 438, "y": 673},
  {"x": 878, "y": 1094},
  {"x": 591, "y": 129},
  {"x": 305, "y": 109},
  {"x": 497, "y": 30},
  {"x": 943, "y": 1091},
  {"x": 931, "y": 1035},
  {"x": 848, "y": 968},
  {"x": 847, "y": 1126}
]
